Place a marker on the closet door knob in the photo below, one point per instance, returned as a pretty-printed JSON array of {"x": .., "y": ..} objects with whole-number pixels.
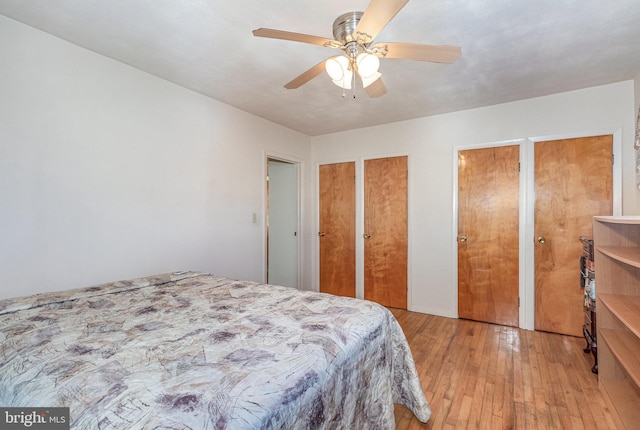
[
  {"x": 541, "y": 240},
  {"x": 462, "y": 239},
  {"x": 321, "y": 233},
  {"x": 366, "y": 235}
]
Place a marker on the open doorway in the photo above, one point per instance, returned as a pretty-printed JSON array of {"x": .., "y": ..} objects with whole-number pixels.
[{"x": 283, "y": 220}]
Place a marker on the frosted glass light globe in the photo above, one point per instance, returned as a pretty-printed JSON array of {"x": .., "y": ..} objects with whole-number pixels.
[
  {"x": 368, "y": 64},
  {"x": 337, "y": 67}
]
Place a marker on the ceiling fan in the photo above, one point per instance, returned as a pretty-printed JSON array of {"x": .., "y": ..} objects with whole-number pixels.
[{"x": 354, "y": 33}]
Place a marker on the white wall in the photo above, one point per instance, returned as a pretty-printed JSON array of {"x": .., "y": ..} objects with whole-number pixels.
[
  {"x": 636, "y": 85},
  {"x": 636, "y": 82},
  {"x": 430, "y": 142},
  {"x": 109, "y": 173}
]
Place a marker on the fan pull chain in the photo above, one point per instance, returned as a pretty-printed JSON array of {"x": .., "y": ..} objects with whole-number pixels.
[{"x": 353, "y": 84}]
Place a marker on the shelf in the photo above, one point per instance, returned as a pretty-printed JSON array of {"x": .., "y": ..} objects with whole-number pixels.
[
  {"x": 625, "y": 308},
  {"x": 617, "y": 258},
  {"x": 623, "y": 346},
  {"x": 627, "y": 254},
  {"x": 626, "y": 402},
  {"x": 629, "y": 220}
]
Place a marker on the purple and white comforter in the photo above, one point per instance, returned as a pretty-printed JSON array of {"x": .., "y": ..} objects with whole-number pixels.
[{"x": 193, "y": 351}]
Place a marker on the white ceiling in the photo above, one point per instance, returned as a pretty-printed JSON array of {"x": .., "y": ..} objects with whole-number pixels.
[{"x": 511, "y": 50}]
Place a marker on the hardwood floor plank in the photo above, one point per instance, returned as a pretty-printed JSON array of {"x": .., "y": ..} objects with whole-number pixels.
[
  {"x": 485, "y": 412},
  {"x": 465, "y": 410},
  {"x": 483, "y": 376},
  {"x": 518, "y": 421}
]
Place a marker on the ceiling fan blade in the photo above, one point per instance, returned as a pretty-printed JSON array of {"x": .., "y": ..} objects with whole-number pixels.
[
  {"x": 375, "y": 18},
  {"x": 376, "y": 89},
  {"x": 411, "y": 51},
  {"x": 306, "y": 76},
  {"x": 296, "y": 37}
]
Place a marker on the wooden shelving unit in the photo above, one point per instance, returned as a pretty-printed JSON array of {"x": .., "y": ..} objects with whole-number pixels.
[{"x": 617, "y": 259}]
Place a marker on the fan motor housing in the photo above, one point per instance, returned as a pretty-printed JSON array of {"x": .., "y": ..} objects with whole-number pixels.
[{"x": 345, "y": 25}]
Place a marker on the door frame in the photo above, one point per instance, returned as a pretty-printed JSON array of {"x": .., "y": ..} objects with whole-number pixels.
[
  {"x": 361, "y": 239},
  {"x": 616, "y": 196},
  {"x": 360, "y": 220},
  {"x": 317, "y": 248},
  {"x": 457, "y": 246},
  {"x": 316, "y": 224},
  {"x": 527, "y": 200},
  {"x": 521, "y": 281},
  {"x": 298, "y": 165}
]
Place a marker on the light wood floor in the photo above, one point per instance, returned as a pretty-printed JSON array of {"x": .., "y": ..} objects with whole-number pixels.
[{"x": 483, "y": 376}]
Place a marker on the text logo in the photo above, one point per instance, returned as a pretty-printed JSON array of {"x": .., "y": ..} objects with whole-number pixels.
[{"x": 34, "y": 418}]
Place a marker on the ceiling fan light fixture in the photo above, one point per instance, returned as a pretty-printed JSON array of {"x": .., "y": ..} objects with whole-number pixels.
[
  {"x": 368, "y": 80},
  {"x": 368, "y": 64},
  {"x": 337, "y": 67},
  {"x": 333, "y": 68},
  {"x": 354, "y": 33},
  {"x": 345, "y": 82}
]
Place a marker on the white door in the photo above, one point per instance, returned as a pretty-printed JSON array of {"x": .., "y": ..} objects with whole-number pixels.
[{"x": 282, "y": 231}]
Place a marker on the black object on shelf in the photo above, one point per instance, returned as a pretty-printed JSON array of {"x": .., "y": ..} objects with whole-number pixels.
[{"x": 588, "y": 284}]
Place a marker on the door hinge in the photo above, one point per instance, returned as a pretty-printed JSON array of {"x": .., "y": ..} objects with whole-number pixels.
[
  {"x": 518, "y": 166},
  {"x": 613, "y": 159},
  {"x": 518, "y": 301}
]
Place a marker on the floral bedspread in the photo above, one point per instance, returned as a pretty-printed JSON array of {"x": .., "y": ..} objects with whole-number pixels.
[{"x": 190, "y": 350}]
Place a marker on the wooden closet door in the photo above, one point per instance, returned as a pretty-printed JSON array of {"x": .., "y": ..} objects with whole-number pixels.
[
  {"x": 338, "y": 229},
  {"x": 488, "y": 234},
  {"x": 385, "y": 226},
  {"x": 573, "y": 183}
]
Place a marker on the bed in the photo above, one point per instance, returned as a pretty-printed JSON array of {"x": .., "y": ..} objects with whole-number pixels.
[{"x": 190, "y": 350}]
